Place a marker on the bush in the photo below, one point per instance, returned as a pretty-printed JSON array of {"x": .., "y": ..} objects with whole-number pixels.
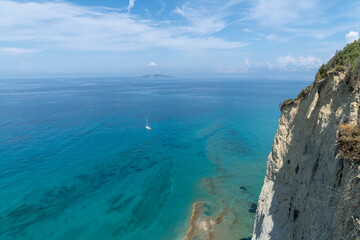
[
  {"x": 301, "y": 95},
  {"x": 353, "y": 75},
  {"x": 321, "y": 72},
  {"x": 345, "y": 57},
  {"x": 349, "y": 142},
  {"x": 340, "y": 68},
  {"x": 346, "y": 60},
  {"x": 346, "y": 130},
  {"x": 286, "y": 102},
  {"x": 303, "y": 92}
]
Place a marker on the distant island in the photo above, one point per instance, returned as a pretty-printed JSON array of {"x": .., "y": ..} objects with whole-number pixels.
[{"x": 156, "y": 76}]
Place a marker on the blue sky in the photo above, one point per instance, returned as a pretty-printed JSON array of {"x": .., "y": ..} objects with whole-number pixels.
[{"x": 180, "y": 38}]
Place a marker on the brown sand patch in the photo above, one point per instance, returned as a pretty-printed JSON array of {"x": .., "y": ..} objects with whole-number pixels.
[{"x": 202, "y": 225}]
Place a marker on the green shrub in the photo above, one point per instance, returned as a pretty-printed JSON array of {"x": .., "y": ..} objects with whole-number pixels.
[
  {"x": 303, "y": 92},
  {"x": 321, "y": 72},
  {"x": 340, "y": 68},
  {"x": 345, "y": 57},
  {"x": 346, "y": 60},
  {"x": 285, "y": 102},
  {"x": 353, "y": 74}
]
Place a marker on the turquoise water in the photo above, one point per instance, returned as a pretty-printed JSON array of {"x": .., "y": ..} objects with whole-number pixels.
[{"x": 77, "y": 162}]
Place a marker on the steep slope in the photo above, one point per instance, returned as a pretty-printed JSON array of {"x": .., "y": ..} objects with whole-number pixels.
[{"x": 310, "y": 191}]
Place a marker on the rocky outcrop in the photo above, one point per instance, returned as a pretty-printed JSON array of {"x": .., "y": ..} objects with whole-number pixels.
[{"x": 309, "y": 191}]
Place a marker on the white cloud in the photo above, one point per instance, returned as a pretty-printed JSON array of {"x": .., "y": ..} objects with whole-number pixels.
[
  {"x": 310, "y": 62},
  {"x": 207, "y": 17},
  {"x": 307, "y": 18},
  {"x": 271, "y": 37},
  {"x": 200, "y": 20},
  {"x": 152, "y": 64},
  {"x": 285, "y": 61},
  {"x": 163, "y": 6},
  {"x": 61, "y": 25},
  {"x": 17, "y": 51},
  {"x": 147, "y": 12},
  {"x": 131, "y": 5},
  {"x": 280, "y": 12},
  {"x": 352, "y": 36},
  {"x": 289, "y": 63}
]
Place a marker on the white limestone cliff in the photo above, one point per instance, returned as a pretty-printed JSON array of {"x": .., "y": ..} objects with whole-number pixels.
[{"x": 309, "y": 191}]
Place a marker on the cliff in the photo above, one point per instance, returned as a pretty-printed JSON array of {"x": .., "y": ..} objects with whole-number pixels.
[{"x": 311, "y": 190}]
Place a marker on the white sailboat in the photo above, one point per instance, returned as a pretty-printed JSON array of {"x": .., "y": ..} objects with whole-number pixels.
[{"x": 147, "y": 124}]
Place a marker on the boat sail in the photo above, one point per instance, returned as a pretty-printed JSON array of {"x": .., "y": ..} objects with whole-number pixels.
[{"x": 147, "y": 124}]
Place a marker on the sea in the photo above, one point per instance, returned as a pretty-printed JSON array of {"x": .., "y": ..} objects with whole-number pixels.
[{"x": 76, "y": 161}]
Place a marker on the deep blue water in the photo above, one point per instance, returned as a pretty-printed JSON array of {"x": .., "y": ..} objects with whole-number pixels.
[{"x": 77, "y": 163}]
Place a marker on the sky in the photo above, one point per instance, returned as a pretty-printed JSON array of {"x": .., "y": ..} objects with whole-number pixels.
[{"x": 123, "y": 38}]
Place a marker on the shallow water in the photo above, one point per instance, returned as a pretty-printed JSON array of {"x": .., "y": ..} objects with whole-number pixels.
[{"x": 77, "y": 162}]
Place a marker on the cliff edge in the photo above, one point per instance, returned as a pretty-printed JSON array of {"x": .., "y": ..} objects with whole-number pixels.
[{"x": 311, "y": 190}]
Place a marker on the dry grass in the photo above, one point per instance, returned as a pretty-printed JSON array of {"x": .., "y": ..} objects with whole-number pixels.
[
  {"x": 349, "y": 142},
  {"x": 356, "y": 222}
]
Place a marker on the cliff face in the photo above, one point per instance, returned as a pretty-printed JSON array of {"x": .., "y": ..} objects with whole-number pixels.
[{"x": 309, "y": 191}]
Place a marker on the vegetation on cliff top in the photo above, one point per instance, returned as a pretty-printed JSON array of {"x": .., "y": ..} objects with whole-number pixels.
[
  {"x": 301, "y": 95},
  {"x": 346, "y": 60},
  {"x": 345, "y": 57}
]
